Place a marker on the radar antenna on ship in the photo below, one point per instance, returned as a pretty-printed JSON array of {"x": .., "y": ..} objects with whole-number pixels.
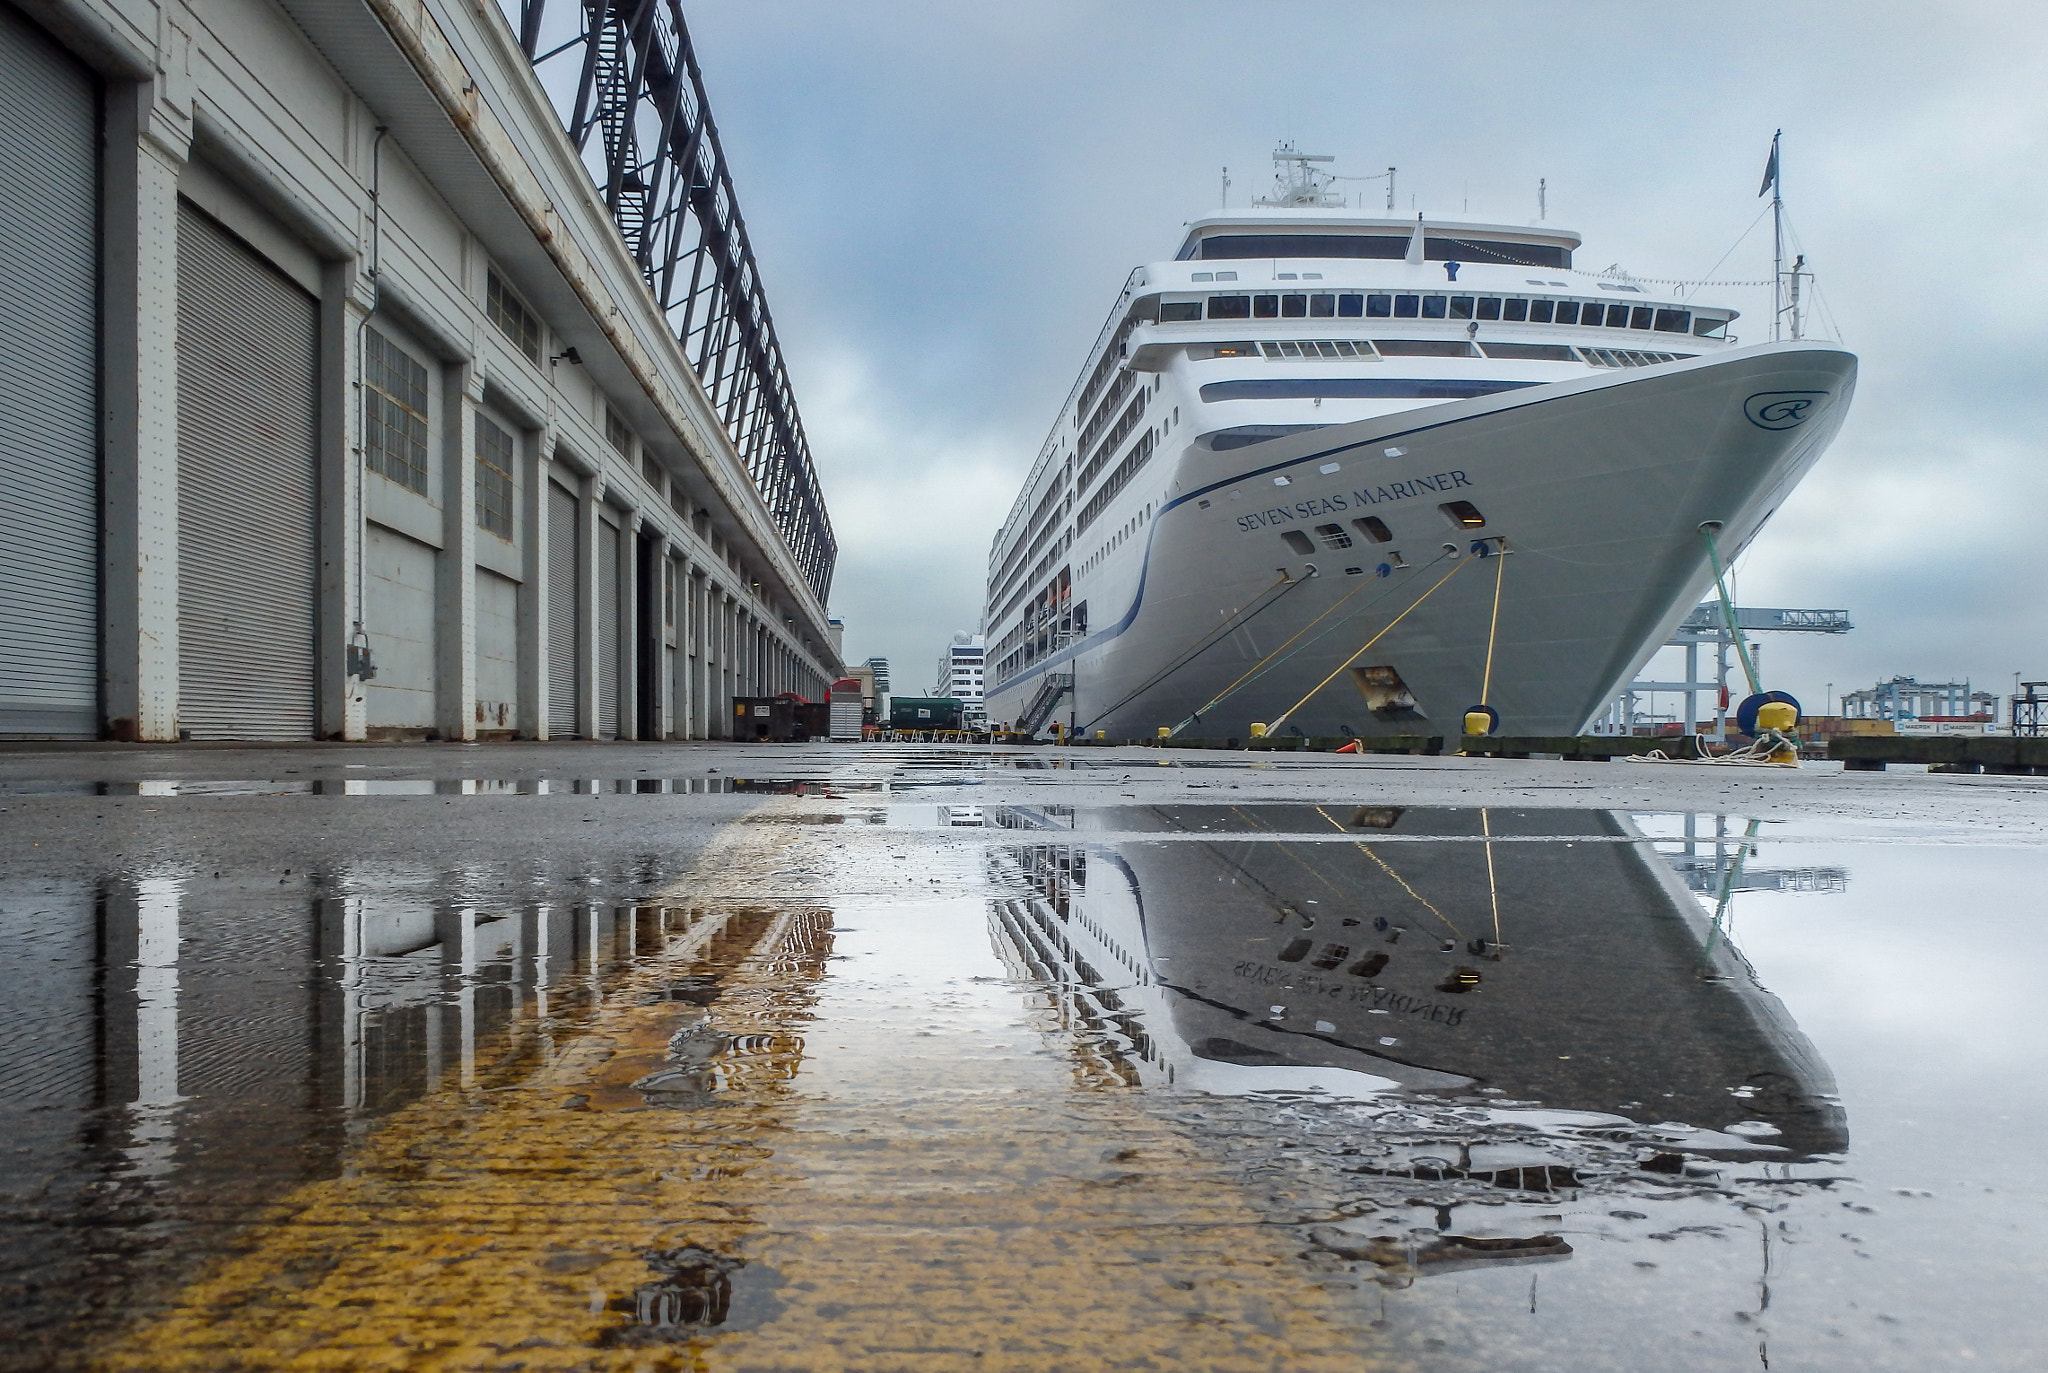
[{"x": 1297, "y": 184}]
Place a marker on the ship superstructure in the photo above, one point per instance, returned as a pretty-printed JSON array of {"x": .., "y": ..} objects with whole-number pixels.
[{"x": 1294, "y": 428}]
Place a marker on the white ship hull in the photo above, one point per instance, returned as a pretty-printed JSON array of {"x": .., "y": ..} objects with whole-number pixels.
[{"x": 1598, "y": 487}]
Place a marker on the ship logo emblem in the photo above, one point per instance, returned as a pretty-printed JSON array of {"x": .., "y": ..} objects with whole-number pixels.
[{"x": 1782, "y": 409}]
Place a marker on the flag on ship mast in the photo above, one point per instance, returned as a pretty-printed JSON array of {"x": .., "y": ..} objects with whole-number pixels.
[{"x": 1771, "y": 167}]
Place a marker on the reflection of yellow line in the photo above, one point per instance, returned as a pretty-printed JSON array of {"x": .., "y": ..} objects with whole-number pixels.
[
  {"x": 899, "y": 1213},
  {"x": 1492, "y": 887},
  {"x": 1388, "y": 869}
]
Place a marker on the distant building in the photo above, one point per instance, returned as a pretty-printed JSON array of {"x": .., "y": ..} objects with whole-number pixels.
[
  {"x": 960, "y": 668},
  {"x": 874, "y": 675},
  {"x": 835, "y": 630}
]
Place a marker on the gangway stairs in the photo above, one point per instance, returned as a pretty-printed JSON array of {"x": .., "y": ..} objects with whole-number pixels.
[{"x": 1054, "y": 686}]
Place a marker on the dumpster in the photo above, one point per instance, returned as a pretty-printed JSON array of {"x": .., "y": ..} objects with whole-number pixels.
[
  {"x": 924, "y": 712},
  {"x": 770, "y": 719}
]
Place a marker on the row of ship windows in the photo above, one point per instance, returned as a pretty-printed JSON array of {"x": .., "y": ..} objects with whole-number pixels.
[
  {"x": 1507, "y": 309},
  {"x": 1284, "y": 349}
]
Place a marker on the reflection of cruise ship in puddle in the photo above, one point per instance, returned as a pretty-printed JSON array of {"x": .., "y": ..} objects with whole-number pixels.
[{"x": 1534, "y": 961}]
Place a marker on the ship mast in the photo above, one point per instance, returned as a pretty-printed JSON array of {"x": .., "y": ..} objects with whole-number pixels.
[
  {"x": 1785, "y": 303},
  {"x": 1772, "y": 181}
]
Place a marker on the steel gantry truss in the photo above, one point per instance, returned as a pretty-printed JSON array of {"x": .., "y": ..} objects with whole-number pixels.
[{"x": 637, "y": 114}]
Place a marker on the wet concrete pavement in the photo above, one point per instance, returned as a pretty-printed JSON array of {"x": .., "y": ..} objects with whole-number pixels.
[{"x": 708, "y": 1057}]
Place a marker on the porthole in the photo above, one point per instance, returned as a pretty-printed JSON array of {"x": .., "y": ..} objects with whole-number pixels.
[
  {"x": 1463, "y": 514},
  {"x": 1374, "y": 528},
  {"x": 1298, "y": 541}
]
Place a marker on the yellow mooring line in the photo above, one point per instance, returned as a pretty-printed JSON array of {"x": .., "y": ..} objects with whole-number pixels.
[{"x": 1275, "y": 726}]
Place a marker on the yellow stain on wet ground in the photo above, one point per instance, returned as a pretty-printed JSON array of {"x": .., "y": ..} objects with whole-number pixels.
[{"x": 944, "y": 1208}]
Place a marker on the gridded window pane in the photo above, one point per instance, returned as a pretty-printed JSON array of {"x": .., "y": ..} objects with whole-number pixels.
[
  {"x": 616, "y": 433},
  {"x": 395, "y": 438},
  {"x": 512, "y": 317},
  {"x": 493, "y": 478}
]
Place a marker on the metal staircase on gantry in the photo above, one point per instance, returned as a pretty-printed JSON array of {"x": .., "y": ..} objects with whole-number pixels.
[
  {"x": 1050, "y": 690},
  {"x": 638, "y": 116}
]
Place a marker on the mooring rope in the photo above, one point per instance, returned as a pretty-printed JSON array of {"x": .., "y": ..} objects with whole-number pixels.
[
  {"x": 1728, "y": 608},
  {"x": 1284, "y": 585},
  {"x": 1262, "y": 663},
  {"x": 1363, "y": 647}
]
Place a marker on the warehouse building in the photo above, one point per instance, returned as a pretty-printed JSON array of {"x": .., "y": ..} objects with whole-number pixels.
[{"x": 346, "y": 397}]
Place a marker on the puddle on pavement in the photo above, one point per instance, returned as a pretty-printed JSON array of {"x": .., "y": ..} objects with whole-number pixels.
[
  {"x": 1109, "y": 1087},
  {"x": 442, "y": 786},
  {"x": 471, "y": 786}
]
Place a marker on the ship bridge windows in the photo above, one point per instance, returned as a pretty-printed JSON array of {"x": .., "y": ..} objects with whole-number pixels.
[
  {"x": 1382, "y": 246},
  {"x": 1661, "y": 319}
]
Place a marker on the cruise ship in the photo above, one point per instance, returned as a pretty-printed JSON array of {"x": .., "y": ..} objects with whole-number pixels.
[{"x": 1335, "y": 474}]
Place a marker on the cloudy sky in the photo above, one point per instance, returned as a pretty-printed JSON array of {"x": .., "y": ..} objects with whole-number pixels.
[{"x": 946, "y": 198}]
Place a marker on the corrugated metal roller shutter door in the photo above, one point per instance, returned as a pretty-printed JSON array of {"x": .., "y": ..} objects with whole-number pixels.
[
  {"x": 607, "y": 630},
  {"x": 49, "y": 370},
  {"x": 562, "y": 616},
  {"x": 248, "y": 433}
]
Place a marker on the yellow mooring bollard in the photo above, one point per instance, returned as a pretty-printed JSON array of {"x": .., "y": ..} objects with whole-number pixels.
[
  {"x": 1478, "y": 722},
  {"x": 1166, "y": 731},
  {"x": 1258, "y": 730},
  {"x": 1777, "y": 718}
]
